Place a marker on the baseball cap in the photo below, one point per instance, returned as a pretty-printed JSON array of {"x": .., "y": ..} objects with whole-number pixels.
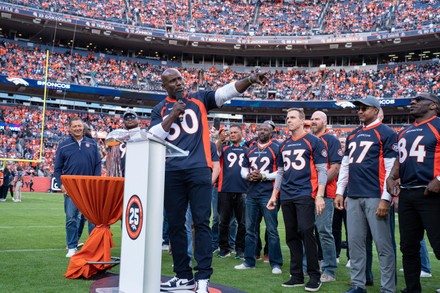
[
  {"x": 129, "y": 112},
  {"x": 428, "y": 96},
  {"x": 368, "y": 101},
  {"x": 270, "y": 123}
]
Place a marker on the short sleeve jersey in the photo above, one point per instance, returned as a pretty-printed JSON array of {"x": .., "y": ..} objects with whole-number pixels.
[
  {"x": 231, "y": 161},
  {"x": 367, "y": 147},
  {"x": 419, "y": 153},
  {"x": 263, "y": 159},
  {"x": 298, "y": 157},
  {"x": 334, "y": 151},
  {"x": 190, "y": 134}
]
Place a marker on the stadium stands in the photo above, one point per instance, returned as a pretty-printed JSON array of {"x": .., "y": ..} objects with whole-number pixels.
[
  {"x": 254, "y": 17},
  {"x": 295, "y": 84}
]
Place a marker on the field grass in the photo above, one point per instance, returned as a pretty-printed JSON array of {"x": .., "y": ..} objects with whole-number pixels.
[{"x": 32, "y": 256}]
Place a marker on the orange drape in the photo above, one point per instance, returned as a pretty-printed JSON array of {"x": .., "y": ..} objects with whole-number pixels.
[{"x": 100, "y": 200}]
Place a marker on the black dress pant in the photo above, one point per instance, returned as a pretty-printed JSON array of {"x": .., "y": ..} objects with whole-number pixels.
[{"x": 417, "y": 212}]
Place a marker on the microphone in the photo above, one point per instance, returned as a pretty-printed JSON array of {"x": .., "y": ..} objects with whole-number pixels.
[{"x": 179, "y": 96}]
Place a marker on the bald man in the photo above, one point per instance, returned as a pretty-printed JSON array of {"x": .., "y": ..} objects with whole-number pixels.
[
  {"x": 181, "y": 118},
  {"x": 324, "y": 221}
]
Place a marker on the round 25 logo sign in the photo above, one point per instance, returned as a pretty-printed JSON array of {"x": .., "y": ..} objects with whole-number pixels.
[{"x": 134, "y": 217}]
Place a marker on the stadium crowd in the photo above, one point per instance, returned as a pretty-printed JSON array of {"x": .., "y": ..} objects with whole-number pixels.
[
  {"x": 398, "y": 80},
  {"x": 20, "y": 133},
  {"x": 255, "y": 16}
]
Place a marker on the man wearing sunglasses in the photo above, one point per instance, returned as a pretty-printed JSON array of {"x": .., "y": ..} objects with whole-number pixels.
[
  {"x": 369, "y": 157},
  {"x": 415, "y": 178},
  {"x": 131, "y": 123}
]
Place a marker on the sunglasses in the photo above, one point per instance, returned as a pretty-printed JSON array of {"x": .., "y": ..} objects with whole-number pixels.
[
  {"x": 129, "y": 117},
  {"x": 363, "y": 108},
  {"x": 419, "y": 99}
]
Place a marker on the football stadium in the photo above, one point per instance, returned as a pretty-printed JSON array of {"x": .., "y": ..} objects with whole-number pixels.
[{"x": 226, "y": 72}]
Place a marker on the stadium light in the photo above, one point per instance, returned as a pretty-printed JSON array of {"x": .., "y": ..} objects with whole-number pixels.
[
  {"x": 37, "y": 20},
  {"x": 397, "y": 41},
  {"x": 237, "y": 46},
  {"x": 107, "y": 33},
  {"x": 289, "y": 47},
  {"x": 348, "y": 45},
  {"x": 147, "y": 39},
  {"x": 195, "y": 44}
]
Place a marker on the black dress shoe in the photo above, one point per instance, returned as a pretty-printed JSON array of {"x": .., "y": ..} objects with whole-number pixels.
[{"x": 356, "y": 290}]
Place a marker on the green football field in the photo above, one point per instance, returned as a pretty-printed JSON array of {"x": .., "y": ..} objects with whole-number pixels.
[{"x": 32, "y": 255}]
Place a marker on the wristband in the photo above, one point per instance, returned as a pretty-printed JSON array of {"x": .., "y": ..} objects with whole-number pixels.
[{"x": 320, "y": 195}]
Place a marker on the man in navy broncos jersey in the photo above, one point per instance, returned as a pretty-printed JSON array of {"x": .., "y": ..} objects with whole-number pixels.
[
  {"x": 301, "y": 177},
  {"x": 184, "y": 123},
  {"x": 415, "y": 177},
  {"x": 369, "y": 157},
  {"x": 231, "y": 192},
  {"x": 259, "y": 169},
  {"x": 324, "y": 222}
]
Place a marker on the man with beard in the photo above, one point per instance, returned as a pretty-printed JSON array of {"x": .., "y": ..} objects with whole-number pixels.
[
  {"x": 369, "y": 157},
  {"x": 324, "y": 221},
  {"x": 260, "y": 169}
]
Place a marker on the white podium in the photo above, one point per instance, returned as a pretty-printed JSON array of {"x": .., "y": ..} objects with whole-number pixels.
[{"x": 142, "y": 214}]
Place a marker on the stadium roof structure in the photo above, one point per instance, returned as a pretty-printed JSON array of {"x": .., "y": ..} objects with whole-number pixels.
[{"x": 45, "y": 24}]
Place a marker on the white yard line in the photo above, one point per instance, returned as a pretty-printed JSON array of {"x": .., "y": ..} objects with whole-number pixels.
[{"x": 31, "y": 250}]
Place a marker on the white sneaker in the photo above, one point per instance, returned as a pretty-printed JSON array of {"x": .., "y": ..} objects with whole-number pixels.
[
  {"x": 337, "y": 260},
  {"x": 327, "y": 278},
  {"x": 71, "y": 252},
  {"x": 243, "y": 266},
  {"x": 424, "y": 274},
  {"x": 202, "y": 286},
  {"x": 276, "y": 270},
  {"x": 348, "y": 265}
]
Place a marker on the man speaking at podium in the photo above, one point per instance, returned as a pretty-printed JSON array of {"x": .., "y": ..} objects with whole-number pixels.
[{"x": 181, "y": 118}]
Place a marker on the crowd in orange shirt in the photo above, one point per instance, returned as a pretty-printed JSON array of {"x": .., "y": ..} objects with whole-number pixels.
[
  {"x": 392, "y": 81},
  {"x": 257, "y": 16}
]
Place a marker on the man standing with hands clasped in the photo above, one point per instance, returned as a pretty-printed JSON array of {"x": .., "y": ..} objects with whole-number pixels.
[
  {"x": 369, "y": 157},
  {"x": 301, "y": 178},
  {"x": 260, "y": 169},
  {"x": 415, "y": 178},
  {"x": 181, "y": 118}
]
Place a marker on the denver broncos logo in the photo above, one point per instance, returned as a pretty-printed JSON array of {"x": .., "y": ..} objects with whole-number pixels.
[
  {"x": 344, "y": 104},
  {"x": 17, "y": 81}
]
